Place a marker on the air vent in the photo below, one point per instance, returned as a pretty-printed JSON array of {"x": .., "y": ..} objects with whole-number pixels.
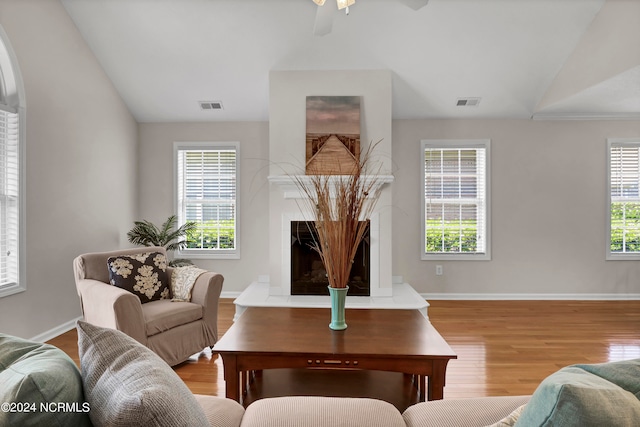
[
  {"x": 468, "y": 102},
  {"x": 210, "y": 105}
]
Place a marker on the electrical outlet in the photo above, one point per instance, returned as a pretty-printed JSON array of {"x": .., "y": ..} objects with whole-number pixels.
[{"x": 439, "y": 270}]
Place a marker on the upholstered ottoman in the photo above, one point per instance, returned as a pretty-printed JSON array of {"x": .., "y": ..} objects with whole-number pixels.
[
  {"x": 470, "y": 412},
  {"x": 314, "y": 411}
]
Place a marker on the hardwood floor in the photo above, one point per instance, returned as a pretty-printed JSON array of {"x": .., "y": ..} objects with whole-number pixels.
[{"x": 503, "y": 347}]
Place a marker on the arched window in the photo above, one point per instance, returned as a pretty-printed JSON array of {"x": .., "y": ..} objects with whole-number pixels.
[{"x": 12, "y": 111}]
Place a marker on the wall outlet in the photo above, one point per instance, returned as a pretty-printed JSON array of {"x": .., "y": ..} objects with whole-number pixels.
[{"x": 439, "y": 271}]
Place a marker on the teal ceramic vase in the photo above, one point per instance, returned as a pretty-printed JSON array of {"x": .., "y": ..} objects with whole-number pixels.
[{"x": 338, "y": 298}]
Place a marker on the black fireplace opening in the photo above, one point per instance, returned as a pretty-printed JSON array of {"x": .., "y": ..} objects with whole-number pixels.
[{"x": 308, "y": 275}]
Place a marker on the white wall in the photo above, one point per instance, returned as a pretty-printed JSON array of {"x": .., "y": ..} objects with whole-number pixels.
[
  {"x": 287, "y": 112},
  {"x": 80, "y": 162},
  {"x": 607, "y": 49},
  {"x": 287, "y": 129},
  {"x": 156, "y": 188},
  {"x": 548, "y": 209}
]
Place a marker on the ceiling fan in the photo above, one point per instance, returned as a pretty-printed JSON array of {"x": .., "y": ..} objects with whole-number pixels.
[{"x": 324, "y": 15}]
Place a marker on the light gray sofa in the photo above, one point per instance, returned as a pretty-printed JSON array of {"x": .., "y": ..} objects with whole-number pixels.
[{"x": 123, "y": 383}]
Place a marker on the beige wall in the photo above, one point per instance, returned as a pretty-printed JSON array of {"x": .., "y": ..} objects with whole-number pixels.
[
  {"x": 80, "y": 162},
  {"x": 156, "y": 188},
  {"x": 548, "y": 209},
  {"x": 548, "y": 205}
]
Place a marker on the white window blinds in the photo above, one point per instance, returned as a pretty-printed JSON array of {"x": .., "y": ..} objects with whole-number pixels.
[
  {"x": 455, "y": 199},
  {"x": 624, "y": 179},
  {"x": 9, "y": 199},
  {"x": 206, "y": 192}
]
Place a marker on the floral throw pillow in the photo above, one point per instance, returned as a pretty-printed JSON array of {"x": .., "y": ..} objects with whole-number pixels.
[{"x": 144, "y": 275}]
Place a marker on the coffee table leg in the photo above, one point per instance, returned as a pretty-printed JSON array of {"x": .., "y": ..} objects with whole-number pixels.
[
  {"x": 244, "y": 381},
  {"x": 418, "y": 382},
  {"x": 436, "y": 380},
  {"x": 231, "y": 377}
]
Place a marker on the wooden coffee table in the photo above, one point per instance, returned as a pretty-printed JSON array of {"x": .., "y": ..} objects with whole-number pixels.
[{"x": 376, "y": 339}]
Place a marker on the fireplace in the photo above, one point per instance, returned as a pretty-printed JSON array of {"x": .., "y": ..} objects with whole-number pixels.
[
  {"x": 290, "y": 254},
  {"x": 308, "y": 276},
  {"x": 287, "y": 202},
  {"x": 293, "y": 263}
]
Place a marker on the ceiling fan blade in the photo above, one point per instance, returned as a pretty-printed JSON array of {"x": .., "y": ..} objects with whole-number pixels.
[
  {"x": 324, "y": 18},
  {"x": 415, "y": 4}
]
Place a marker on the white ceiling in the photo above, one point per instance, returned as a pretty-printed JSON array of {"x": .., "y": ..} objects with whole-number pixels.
[{"x": 164, "y": 56}]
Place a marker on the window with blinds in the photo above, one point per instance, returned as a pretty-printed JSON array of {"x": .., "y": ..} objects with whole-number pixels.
[
  {"x": 455, "y": 196},
  {"x": 9, "y": 199},
  {"x": 12, "y": 113},
  {"x": 206, "y": 184},
  {"x": 624, "y": 199}
]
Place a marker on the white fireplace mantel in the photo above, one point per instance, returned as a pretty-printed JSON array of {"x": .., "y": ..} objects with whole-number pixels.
[{"x": 290, "y": 184}]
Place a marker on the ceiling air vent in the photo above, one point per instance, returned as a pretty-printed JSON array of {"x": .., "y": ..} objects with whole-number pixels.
[
  {"x": 468, "y": 102},
  {"x": 210, "y": 105}
]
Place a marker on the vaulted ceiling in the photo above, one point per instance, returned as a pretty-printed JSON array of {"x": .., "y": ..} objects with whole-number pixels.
[{"x": 521, "y": 58}]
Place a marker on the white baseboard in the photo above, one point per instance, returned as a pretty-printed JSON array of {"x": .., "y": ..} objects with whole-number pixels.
[
  {"x": 67, "y": 326},
  {"x": 233, "y": 295},
  {"x": 507, "y": 297},
  {"x": 58, "y": 330},
  {"x": 532, "y": 297},
  {"x": 71, "y": 324}
]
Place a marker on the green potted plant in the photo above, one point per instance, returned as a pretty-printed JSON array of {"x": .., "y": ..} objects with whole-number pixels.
[{"x": 145, "y": 233}]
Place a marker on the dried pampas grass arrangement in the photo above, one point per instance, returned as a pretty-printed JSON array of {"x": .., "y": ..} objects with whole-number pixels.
[{"x": 343, "y": 205}]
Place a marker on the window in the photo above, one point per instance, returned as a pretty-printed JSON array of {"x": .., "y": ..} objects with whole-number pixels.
[
  {"x": 206, "y": 193},
  {"x": 623, "y": 236},
  {"x": 455, "y": 177},
  {"x": 11, "y": 147}
]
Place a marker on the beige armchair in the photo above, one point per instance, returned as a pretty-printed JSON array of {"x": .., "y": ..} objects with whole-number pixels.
[{"x": 173, "y": 330}]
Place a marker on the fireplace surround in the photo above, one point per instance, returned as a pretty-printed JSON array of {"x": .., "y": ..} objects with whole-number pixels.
[
  {"x": 287, "y": 208},
  {"x": 290, "y": 202}
]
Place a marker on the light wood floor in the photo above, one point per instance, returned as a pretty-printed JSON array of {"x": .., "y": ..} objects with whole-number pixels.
[{"x": 503, "y": 347}]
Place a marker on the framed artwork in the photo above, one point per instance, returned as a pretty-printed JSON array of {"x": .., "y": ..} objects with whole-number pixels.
[{"x": 333, "y": 135}]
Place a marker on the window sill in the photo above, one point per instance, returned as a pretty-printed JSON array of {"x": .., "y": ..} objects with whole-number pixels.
[
  {"x": 623, "y": 256},
  {"x": 5, "y": 291},
  {"x": 456, "y": 257},
  {"x": 208, "y": 254}
]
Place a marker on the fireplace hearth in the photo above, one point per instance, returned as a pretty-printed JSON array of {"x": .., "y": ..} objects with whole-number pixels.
[{"x": 308, "y": 275}]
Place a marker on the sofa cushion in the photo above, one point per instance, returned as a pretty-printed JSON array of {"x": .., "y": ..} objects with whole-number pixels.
[
  {"x": 470, "y": 412},
  {"x": 511, "y": 419},
  {"x": 573, "y": 396},
  {"x": 163, "y": 315},
  {"x": 220, "y": 411},
  {"x": 144, "y": 274},
  {"x": 625, "y": 373},
  {"x": 316, "y": 411},
  {"x": 39, "y": 377},
  {"x": 127, "y": 384}
]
